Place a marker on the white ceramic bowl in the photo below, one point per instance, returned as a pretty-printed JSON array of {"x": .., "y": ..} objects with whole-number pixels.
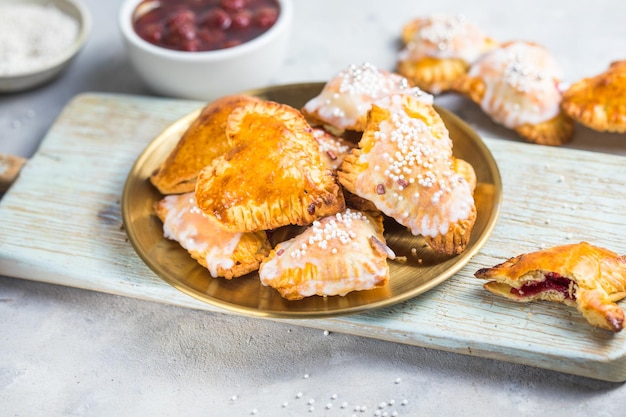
[
  {"x": 54, "y": 67},
  {"x": 210, "y": 74}
]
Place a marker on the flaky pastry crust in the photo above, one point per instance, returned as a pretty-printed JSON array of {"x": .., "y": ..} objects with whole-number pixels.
[
  {"x": 581, "y": 275},
  {"x": 273, "y": 176},
  {"x": 599, "y": 102},
  {"x": 334, "y": 256},
  {"x": 204, "y": 140}
]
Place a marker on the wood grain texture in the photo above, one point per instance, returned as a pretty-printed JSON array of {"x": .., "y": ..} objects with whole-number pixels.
[{"x": 61, "y": 223}]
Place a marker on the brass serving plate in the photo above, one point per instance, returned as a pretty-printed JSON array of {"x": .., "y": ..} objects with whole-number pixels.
[{"x": 422, "y": 271}]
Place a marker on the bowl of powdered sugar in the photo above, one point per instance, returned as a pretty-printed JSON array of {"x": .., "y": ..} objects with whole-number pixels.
[{"x": 38, "y": 40}]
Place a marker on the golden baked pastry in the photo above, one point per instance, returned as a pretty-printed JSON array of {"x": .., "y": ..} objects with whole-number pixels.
[
  {"x": 581, "y": 275},
  {"x": 438, "y": 49},
  {"x": 404, "y": 165},
  {"x": 333, "y": 148},
  {"x": 272, "y": 176},
  {"x": 599, "y": 102},
  {"x": 334, "y": 256},
  {"x": 345, "y": 99},
  {"x": 204, "y": 140},
  {"x": 224, "y": 254},
  {"x": 517, "y": 85}
]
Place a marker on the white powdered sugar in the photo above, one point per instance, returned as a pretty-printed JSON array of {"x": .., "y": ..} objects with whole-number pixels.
[{"x": 32, "y": 36}]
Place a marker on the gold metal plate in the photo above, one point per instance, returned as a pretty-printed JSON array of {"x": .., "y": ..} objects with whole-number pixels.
[{"x": 422, "y": 271}]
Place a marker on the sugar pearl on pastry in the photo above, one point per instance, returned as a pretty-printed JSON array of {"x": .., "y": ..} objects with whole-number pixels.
[{"x": 366, "y": 79}]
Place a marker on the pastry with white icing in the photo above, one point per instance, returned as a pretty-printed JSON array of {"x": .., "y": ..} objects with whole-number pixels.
[
  {"x": 334, "y": 256},
  {"x": 440, "y": 48},
  {"x": 404, "y": 165},
  {"x": 518, "y": 85},
  {"x": 224, "y": 254},
  {"x": 346, "y": 98}
]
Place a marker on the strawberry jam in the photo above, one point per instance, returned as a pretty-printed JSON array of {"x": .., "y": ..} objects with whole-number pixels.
[
  {"x": 204, "y": 25},
  {"x": 552, "y": 282}
]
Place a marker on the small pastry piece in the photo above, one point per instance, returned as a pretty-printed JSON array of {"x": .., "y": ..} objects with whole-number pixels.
[
  {"x": 332, "y": 148},
  {"x": 517, "y": 85},
  {"x": 273, "y": 176},
  {"x": 224, "y": 254},
  {"x": 439, "y": 49},
  {"x": 599, "y": 102},
  {"x": 345, "y": 100},
  {"x": 404, "y": 165},
  {"x": 581, "y": 275},
  {"x": 334, "y": 256},
  {"x": 204, "y": 140}
]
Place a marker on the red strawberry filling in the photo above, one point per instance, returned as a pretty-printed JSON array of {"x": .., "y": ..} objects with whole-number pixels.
[{"x": 552, "y": 282}]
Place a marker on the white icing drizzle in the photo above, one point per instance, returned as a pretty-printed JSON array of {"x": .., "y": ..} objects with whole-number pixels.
[
  {"x": 409, "y": 176},
  {"x": 350, "y": 94},
  {"x": 344, "y": 235},
  {"x": 522, "y": 84},
  {"x": 186, "y": 224},
  {"x": 443, "y": 36}
]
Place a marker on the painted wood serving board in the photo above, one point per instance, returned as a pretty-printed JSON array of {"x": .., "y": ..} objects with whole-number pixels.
[{"x": 61, "y": 223}]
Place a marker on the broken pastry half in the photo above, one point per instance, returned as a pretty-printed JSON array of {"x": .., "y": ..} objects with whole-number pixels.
[
  {"x": 517, "y": 84},
  {"x": 440, "y": 48},
  {"x": 273, "y": 174},
  {"x": 204, "y": 140},
  {"x": 599, "y": 102},
  {"x": 346, "y": 98},
  {"x": 581, "y": 275},
  {"x": 334, "y": 256},
  {"x": 404, "y": 165},
  {"x": 224, "y": 254}
]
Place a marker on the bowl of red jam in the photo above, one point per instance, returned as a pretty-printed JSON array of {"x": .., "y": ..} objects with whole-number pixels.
[{"x": 204, "y": 49}]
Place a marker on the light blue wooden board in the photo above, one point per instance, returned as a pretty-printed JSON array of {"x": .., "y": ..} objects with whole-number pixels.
[{"x": 61, "y": 223}]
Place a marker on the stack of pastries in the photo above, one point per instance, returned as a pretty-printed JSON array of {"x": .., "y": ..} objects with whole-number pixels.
[
  {"x": 368, "y": 148},
  {"x": 517, "y": 83}
]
